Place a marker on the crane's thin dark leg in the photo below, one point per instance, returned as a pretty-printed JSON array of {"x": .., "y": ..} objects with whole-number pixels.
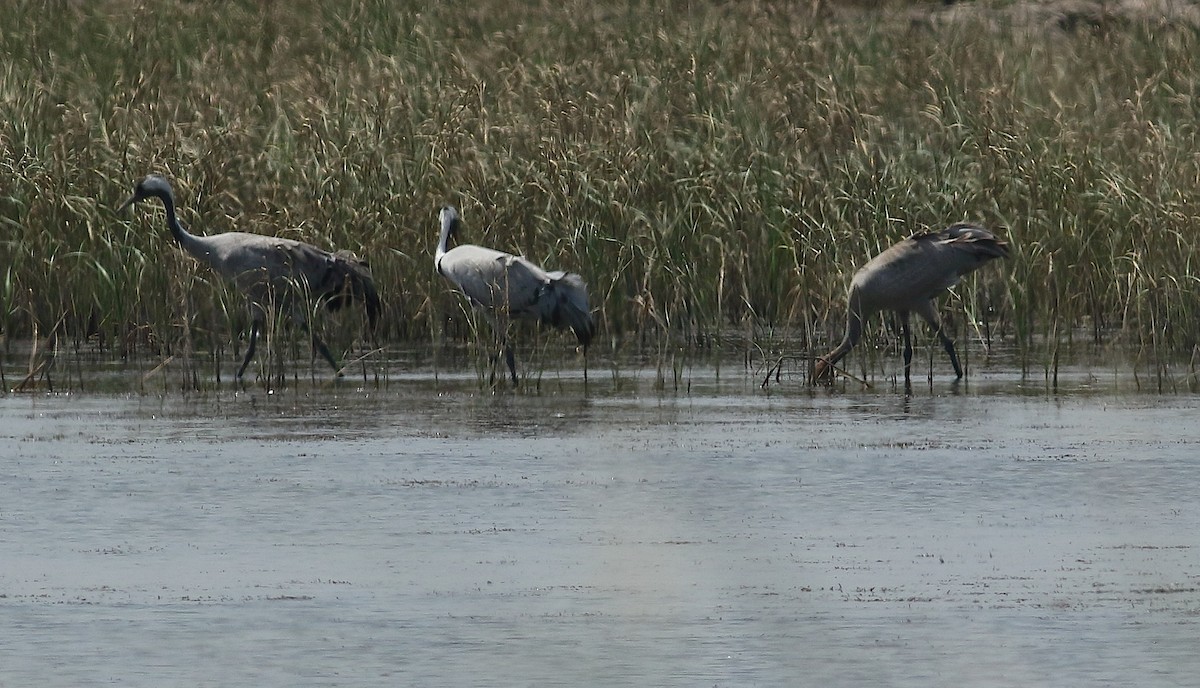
[
  {"x": 510, "y": 359},
  {"x": 948, "y": 344},
  {"x": 907, "y": 333},
  {"x": 321, "y": 348},
  {"x": 929, "y": 313},
  {"x": 326, "y": 354},
  {"x": 254, "y": 327}
]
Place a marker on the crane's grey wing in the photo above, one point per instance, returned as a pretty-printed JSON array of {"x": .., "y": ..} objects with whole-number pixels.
[
  {"x": 253, "y": 261},
  {"x": 911, "y": 271},
  {"x": 526, "y": 282},
  {"x": 938, "y": 260},
  {"x": 502, "y": 281},
  {"x": 338, "y": 278},
  {"x": 483, "y": 276},
  {"x": 297, "y": 265},
  {"x": 264, "y": 265}
]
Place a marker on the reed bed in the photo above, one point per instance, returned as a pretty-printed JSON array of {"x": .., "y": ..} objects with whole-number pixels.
[{"x": 716, "y": 171}]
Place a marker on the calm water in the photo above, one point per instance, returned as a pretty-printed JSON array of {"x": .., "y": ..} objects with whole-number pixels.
[{"x": 432, "y": 535}]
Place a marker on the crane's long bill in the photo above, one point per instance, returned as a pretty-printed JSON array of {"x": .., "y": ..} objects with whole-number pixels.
[{"x": 126, "y": 204}]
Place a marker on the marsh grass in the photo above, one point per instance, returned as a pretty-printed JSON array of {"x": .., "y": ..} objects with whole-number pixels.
[{"x": 715, "y": 171}]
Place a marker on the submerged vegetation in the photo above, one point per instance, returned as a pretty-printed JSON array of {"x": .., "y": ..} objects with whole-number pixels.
[{"x": 715, "y": 171}]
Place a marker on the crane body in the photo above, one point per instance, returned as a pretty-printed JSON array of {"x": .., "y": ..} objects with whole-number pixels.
[
  {"x": 907, "y": 278},
  {"x": 271, "y": 271},
  {"x": 504, "y": 286}
]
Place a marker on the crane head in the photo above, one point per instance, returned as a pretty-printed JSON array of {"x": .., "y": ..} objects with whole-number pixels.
[
  {"x": 151, "y": 185},
  {"x": 822, "y": 371},
  {"x": 448, "y": 216}
]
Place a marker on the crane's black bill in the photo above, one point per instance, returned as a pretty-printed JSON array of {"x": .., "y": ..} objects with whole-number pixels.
[
  {"x": 151, "y": 185},
  {"x": 130, "y": 201}
]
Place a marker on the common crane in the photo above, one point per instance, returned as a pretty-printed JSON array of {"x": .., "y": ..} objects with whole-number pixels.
[
  {"x": 270, "y": 270},
  {"x": 906, "y": 278},
  {"x": 503, "y": 285}
]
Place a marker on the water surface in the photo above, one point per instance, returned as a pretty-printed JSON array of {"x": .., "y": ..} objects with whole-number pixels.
[{"x": 430, "y": 533}]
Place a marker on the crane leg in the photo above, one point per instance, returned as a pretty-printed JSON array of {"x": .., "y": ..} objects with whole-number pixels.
[
  {"x": 510, "y": 359},
  {"x": 325, "y": 353},
  {"x": 948, "y": 345},
  {"x": 254, "y": 327},
  {"x": 321, "y": 348},
  {"x": 907, "y": 333},
  {"x": 929, "y": 313}
]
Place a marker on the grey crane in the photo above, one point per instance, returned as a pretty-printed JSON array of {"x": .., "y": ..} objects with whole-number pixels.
[
  {"x": 906, "y": 278},
  {"x": 270, "y": 270},
  {"x": 503, "y": 285}
]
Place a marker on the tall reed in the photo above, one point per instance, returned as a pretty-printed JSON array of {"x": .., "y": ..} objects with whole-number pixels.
[{"x": 715, "y": 171}]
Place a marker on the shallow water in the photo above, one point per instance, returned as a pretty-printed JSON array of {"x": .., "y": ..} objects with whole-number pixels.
[{"x": 430, "y": 534}]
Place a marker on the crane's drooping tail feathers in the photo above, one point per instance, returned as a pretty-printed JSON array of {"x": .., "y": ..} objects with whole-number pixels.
[
  {"x": 345, "y": 280},
  {"x": 564, "y": 303},
  {"x": 969, "y": 237}
]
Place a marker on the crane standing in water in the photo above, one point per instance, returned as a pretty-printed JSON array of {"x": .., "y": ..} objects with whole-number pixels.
[
  {"x": 270, "y": 270},
  {"x": 503, "y": 285},
  {"x": 906, "y": 278}
]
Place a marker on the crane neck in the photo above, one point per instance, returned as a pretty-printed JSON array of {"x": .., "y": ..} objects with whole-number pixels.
[
  {"x": 855, "y": 314},
  {"x": 449, "y": 226},
  {"x": 190, "y": 242},
  {"x": 854, "y": 328}
]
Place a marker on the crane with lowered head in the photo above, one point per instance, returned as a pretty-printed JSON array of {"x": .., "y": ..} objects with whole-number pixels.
[
  {"x": 503, "y": 286},
  {"x": 907, "y": 277}
]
